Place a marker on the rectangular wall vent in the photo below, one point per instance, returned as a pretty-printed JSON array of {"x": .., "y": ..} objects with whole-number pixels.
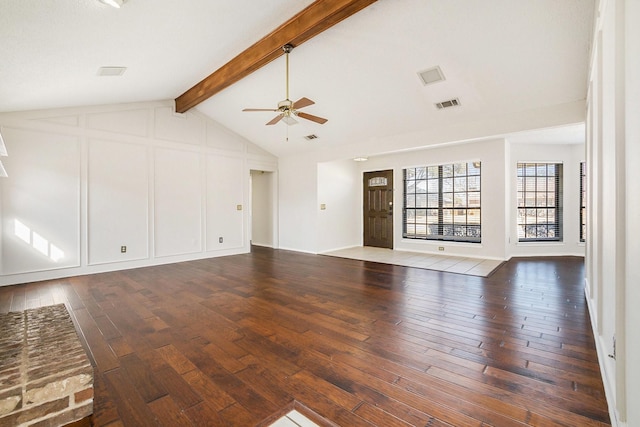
[
  {"x": 310, "y": 137},
  {"x": 447, "y": 104}
]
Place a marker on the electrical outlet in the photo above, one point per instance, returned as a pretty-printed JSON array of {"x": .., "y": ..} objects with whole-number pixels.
[
  {"x": 441, "y": 248},
  {"x": 123, "y": 249},
  {"x": 220, "y": 239}
]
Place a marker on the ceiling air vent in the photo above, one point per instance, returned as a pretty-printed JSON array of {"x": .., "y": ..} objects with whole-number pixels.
[
  {"x": 447, "y": 104},
  {"x": 310, "y": 137},
  {"x": 432, "y": 75}
]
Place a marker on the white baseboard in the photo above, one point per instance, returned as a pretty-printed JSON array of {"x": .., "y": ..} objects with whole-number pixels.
[{"x": 263, "y": 245}]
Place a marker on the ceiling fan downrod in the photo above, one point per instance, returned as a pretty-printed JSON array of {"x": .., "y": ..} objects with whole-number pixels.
[{"x": 287, "y": 48}]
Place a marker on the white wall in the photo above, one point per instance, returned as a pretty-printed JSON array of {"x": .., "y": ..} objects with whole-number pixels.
[
  {"x": 339, "y": 190},
  {"x": 178, "y": 201},
  {"x": 613, "y": 151},
  {"x": 118, "y": 209},
  {"x": 85, "y": 181},
  {"x": 297, "y": 203},
  {"x": 40, "y": 201}
]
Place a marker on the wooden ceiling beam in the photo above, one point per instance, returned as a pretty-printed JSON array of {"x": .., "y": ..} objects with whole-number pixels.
[{"x": 313, "y": 20}]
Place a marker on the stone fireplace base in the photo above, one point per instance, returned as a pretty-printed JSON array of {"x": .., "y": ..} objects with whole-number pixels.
[{"x": 46, "y": 377}]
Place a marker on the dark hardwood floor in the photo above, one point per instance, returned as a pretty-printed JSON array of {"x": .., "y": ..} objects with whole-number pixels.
[{"x": 235, "y": 340}]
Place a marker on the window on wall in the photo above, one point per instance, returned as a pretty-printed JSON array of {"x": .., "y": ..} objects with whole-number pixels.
[
  {"x": 442, "y": 202},
  {"x": 539, "y": 202},
  {"x": 583, "y": 201}
]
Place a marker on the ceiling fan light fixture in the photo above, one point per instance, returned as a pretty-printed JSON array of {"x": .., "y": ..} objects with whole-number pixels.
[
  {"x": 113, "y": 3},
  {"x": 289, "y": 120}
]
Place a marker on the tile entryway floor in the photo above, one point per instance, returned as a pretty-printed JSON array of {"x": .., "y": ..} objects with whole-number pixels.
[
  {"x": 294, "y": 419},
  {"x": 450, "y": 264}
]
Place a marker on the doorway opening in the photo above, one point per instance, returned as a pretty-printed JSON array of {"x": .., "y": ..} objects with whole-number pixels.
[{"x": 263, "y": 217}]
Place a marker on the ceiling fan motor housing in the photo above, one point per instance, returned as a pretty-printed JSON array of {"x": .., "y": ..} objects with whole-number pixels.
[{"x": 286, "y": 105}]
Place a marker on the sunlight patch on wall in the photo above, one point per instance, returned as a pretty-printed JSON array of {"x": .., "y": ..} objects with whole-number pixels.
[{"x": 37, "y": 242}]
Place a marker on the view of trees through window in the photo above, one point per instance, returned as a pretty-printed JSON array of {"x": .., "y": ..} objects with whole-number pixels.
[
  {"x": 539, "y": 194},
  {"x": 442, "y": 202}
]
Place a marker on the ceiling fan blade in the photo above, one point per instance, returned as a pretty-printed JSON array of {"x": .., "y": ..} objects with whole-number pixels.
[
  {"x": 276, "y": 119},
  {"x": 303, "y": 102},
  {"x": 311, "y": 117},
  {"x": 259, "y": 109}
]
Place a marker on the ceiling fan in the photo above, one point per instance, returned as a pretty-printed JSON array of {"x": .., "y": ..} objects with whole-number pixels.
[{"x": 287, "y": 108}]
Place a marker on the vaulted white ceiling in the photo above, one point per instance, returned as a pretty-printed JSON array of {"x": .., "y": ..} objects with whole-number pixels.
[{"x": 500, "y": 58}]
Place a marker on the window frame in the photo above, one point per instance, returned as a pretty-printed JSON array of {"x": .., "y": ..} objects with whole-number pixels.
[
  {"x": 528, "y": 176},
  {"x": 583, "y": 202},
  {"x": 442, "y": 201}
]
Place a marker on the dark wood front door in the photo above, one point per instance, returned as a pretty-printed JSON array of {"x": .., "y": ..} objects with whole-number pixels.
[{"x": 378, "y": 209}]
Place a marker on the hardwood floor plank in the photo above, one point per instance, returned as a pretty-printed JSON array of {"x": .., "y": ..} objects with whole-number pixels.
[
  {"x": 263, "y": 382},
  {"x": 179, "y": 390},
  {"x": 131, "y": 407},
  {"x": 237, "y": 415},
  {"x": 208, "y": 390},
  {"x": 401, "y": 387},
  {"x": 120, "y": 346},
  {"x": 564, "y": 395},
  {"x": 225, "y": 360},
  {"x": 105, "y": 410},
  {"x": 101, "y": 352},
  {"x": 269, "y": 352},
  {"x": 587, "y": 383},
  {"x": 378, "y": 417},
  {"x": 550, "y": 403},
  {"x": 142, "y": 378},
  {"x": 203, "y": 414},
  {"x": 18, "y": 300},
  {"x": 332, "y": 388},
  {"x": 6, "y": 295},
  {"x": 106, "y": 327},
  {"x": 168, "y": 413},
  {"x": 176, "y": 359}
]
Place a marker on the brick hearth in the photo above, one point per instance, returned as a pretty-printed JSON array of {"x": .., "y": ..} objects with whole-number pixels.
[{"x": 46, "y": 378}]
